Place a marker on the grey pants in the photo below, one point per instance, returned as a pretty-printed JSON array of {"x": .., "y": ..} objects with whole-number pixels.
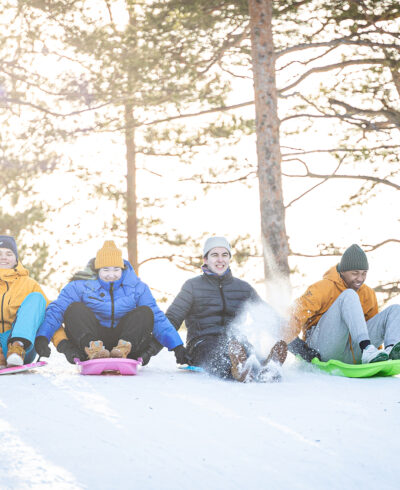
[{"x": 331, "y": 335}]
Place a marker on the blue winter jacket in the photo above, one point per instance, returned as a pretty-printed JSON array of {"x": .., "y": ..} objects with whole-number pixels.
[{"x": 110, "y": 305}]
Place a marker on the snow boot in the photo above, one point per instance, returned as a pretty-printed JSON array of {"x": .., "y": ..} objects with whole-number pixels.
[
  {"x": 96, "y": 350},
  {"x": 271, "y": 367},
  {"x": 15, "y": 354},
  {"x": 238, "y": 357},
  {"x": 3, "y": 362},
  {"x": 393, "y": 351},
  {"x": 122, "y": 349},
  {"x": 372, "y": 354}
]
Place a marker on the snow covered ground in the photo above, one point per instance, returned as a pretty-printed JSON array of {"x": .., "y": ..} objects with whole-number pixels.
[{"x": 171, "y": 429}]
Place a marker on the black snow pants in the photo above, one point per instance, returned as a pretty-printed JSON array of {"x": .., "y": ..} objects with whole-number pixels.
[
  {"x": 136, "y": 327},
  {"x": 211, "y": 353}
]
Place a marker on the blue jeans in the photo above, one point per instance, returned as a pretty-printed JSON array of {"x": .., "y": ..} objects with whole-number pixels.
[
  {"x": 345, "y": 317},
  {"x": 30, "y": 316}
]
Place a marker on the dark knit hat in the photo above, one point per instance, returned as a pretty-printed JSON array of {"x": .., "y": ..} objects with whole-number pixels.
[
  {"x": 353, "y": 259},
  {"x": 109, "y": 256},
  {"x": 9, "y": 242}
]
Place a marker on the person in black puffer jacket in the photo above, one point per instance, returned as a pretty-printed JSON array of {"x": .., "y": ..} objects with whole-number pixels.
[{"x": 208, "y": 304}]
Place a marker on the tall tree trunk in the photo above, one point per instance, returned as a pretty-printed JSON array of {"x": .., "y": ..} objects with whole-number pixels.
[
  {"x": 275, "y": 243},
  {"x": 131, "y": 203}
]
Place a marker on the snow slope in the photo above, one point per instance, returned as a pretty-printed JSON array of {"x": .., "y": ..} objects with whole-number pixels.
[{"x": 170, "y": 429}]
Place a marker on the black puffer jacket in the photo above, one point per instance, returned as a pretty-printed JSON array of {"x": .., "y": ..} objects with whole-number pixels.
[{"x": 208, "y": 303}]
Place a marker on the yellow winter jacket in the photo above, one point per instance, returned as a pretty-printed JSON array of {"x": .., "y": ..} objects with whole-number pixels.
[
  {"x": 15, "y": 285},
  {"x": 319, "y": 297}
]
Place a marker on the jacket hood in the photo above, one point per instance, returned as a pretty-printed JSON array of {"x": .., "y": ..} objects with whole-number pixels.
[
  {"x": 90, "y": 273},
  {"x": 226, "y": 275},
  {"x": 333, "y": 275},
  {"x": 12, "y": 274},
  {"x": 128, "y": 278}
]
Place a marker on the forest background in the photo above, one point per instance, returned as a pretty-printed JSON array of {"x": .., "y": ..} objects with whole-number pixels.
[{"x": 159, "y": 123}]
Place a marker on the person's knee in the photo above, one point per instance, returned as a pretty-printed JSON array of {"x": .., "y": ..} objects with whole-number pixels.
[
  {"x": 36, "y": 298},
  {"x": 393, "y": 310},
  {"x": 349, "y": 293},
  {"x": 349, "y": 296},
  {"x": 147, "y": 313},
  {"x": 74, "y": 309}
]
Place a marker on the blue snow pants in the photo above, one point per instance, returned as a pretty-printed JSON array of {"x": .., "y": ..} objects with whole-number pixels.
[{"x": 30, "y": 316}]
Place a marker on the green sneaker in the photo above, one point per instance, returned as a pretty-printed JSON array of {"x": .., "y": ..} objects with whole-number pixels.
[
  {"x": 395, "y": 352},
  {"x": 372, "y": 354}
]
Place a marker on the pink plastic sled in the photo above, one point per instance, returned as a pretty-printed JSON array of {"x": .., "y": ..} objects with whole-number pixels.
[
  {"x": 110, "y": 365},
  {"x": 24, "y": 367}
]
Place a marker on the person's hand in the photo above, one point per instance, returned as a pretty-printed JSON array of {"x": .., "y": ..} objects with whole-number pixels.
[
  {"x": 181, "y": 355},
  {"x": 69, "y": 350},
  {"x": 146, "y": 356},
  {"x": 152, "y": 349},
  {"x": 42, "y": 346},
  {"x": 298, "y": 346}
]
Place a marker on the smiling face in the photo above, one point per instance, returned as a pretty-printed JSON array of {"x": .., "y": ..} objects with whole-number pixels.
[
  {"x": 354, "y": 279},
  {"x": 110, "y": 274},
  {"x": 217, "y": 260},
  {"x": 8, "y": 260}
]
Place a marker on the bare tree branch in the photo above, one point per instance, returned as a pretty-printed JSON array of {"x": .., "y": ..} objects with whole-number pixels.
[
  {"x": 370, "y": 248},
  {"x": 334, "y": 66},
  {"x": 335, "y": 43},
  {"x": 370, "y": 178},
  {"x": 316, "y": 185}
]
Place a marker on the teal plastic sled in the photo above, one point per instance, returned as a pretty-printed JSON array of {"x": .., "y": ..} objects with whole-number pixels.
[
  {"x": 338, "y": 368},
  {"x": 196, "y": 369}
]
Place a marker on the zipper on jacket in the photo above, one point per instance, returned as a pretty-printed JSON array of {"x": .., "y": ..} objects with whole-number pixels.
[
  {"x": 112, "y": 304},
  {"x": 223, "y": 303},
  {"x": 2, "y": 307}
]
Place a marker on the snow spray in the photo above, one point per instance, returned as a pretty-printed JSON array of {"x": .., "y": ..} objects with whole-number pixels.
[
  {"x": 263, "y": 324},
  {"x": 260, "y": 324},
  {"x": 278, "y": 288}
]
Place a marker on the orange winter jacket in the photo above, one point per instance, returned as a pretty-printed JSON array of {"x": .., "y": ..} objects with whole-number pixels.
[
  {"x": 319, "y": 297},
  {"x": 15, "y": 285}
]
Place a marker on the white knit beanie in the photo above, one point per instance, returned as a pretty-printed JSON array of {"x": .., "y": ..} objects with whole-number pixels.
[{"x": 214, "y": 242}]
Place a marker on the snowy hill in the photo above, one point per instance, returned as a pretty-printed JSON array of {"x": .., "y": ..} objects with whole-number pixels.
[{"x": 171, "y": 429}]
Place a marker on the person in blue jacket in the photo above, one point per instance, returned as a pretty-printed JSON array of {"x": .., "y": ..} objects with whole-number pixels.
[{"x": 108, "y": 311}]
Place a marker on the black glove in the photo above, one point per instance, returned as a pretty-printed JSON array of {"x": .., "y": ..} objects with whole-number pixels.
[
  {"x": 298, "y": 346},
  {"x": 152, "y": 349},
  {"x": 181, "y": 355},
  {"x": 42, "y": 346},
  {"x": 69, "y": 350}
]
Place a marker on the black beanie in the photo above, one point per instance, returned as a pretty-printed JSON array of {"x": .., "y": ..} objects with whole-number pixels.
[
  {"x": 353, "y": 259},
  {"x": 9, "y": 242}
]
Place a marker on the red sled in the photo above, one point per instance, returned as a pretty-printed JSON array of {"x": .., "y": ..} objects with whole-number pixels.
[
  {"x": 24, "y": 367},
  {"x": 109, "y": 365}
]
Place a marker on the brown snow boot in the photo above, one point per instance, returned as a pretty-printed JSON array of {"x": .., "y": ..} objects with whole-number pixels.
[
  {"x": 238, "y": 357},
  {"x": 15, "y": 354},
  {"x": 278, "y": 353},
  {"x": 96, "y": 350},
  {"x": 271, "y": 370},
  {"x": 3, "y": 362},
  {"x": 122, "y": 349}
]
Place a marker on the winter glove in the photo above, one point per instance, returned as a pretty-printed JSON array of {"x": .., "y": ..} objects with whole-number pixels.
[
  {"x": 298, "y": 346},
  {"x": 69, "y": 350},
  {"x": 42, "y": 346},
  {"x": 181, "y": 355},
  {"x": 153, "y": 349}
]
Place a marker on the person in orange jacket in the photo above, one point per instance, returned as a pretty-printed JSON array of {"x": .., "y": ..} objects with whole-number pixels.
[
  {"x": 22, "y": 307},
  {"x": 338, "y": 317}
]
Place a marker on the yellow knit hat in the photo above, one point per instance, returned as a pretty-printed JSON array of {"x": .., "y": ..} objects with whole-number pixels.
[{"x": 109, "y": 256}]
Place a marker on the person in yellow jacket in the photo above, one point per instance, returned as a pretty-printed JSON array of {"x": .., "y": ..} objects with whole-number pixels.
[
  {"x": 22, "y": 307},
  {"x": 338, "y": 317}
]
